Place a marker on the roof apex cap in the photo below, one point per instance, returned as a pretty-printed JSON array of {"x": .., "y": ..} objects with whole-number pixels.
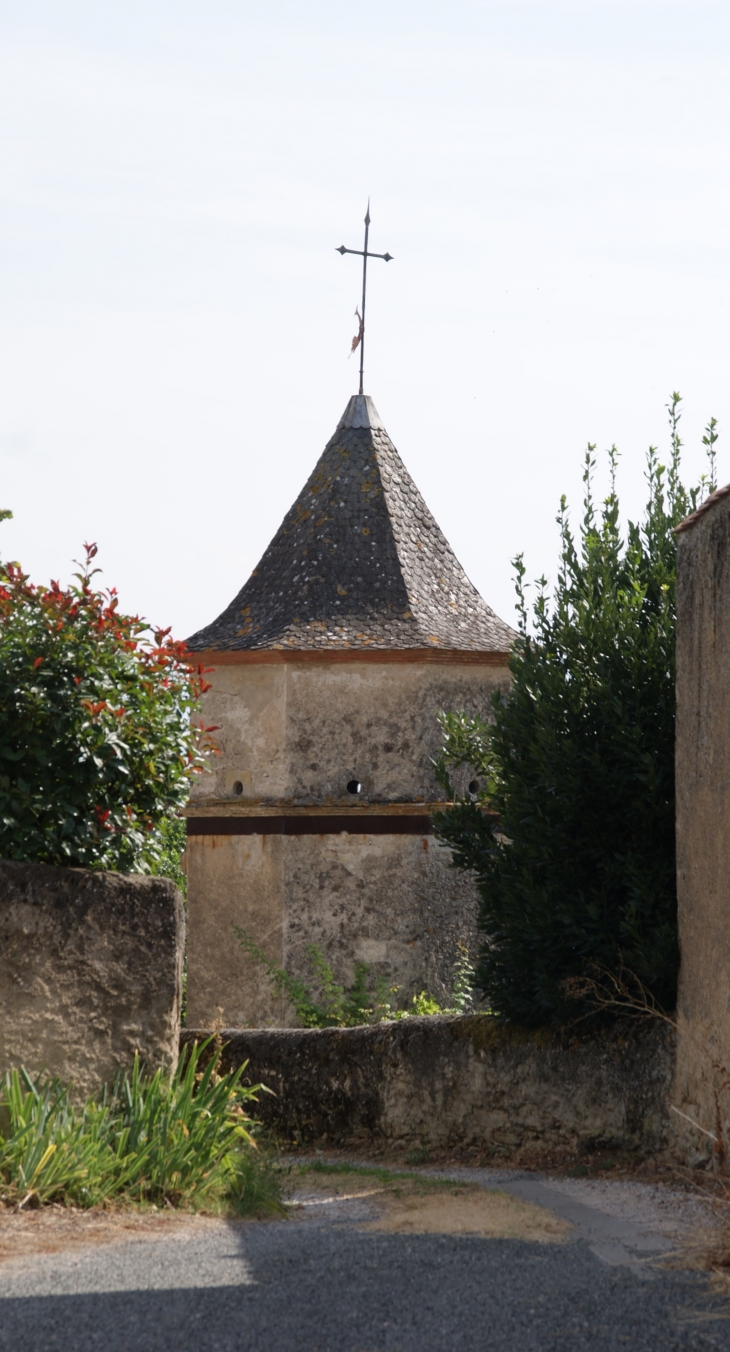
[{"x": 361, "y": 412}]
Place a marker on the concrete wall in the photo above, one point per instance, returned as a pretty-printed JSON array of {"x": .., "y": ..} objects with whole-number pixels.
[
  {"x": 470, "y": 1082},
  {"x": 702, "y": 1088},
  {"x": 90, "y": 971},
  {"x": 292, "y": 734}
]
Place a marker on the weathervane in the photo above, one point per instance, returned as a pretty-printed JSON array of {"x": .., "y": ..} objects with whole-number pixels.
[{"x": 359, "y": 339}]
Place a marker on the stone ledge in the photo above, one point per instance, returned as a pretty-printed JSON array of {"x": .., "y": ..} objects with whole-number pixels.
[{"x": 447, "y": 1083}]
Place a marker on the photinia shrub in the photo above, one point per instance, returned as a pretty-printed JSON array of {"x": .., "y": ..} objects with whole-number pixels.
[{"x": 98, "y": 736}]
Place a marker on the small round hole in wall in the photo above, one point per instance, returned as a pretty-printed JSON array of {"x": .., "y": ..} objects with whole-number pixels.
[
  {"x": 238, "y": 788},
  {"x": 474, "y": 786},
  {"x": 354, "y": 786}
]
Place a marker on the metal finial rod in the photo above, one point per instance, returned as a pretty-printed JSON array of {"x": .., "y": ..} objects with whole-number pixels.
[{"x": 365, "y": 255}]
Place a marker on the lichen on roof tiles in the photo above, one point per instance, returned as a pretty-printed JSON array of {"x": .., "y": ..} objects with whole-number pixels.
[{"x": 370, "y": 569}]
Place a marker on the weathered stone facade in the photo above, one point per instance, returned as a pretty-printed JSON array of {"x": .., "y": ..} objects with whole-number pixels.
[
  {"x": 296, "y": 732},
  {"x": 386, "y": 900},
  {"x": 328, "y": 673},
  {"x": 90, "y": 972},
  {"x": 702, "y": 1087},
  {"x": 474, "y": 1082}
]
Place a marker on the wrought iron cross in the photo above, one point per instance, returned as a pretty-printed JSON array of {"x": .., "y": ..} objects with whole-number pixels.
[{"x": 365, "y": 256}]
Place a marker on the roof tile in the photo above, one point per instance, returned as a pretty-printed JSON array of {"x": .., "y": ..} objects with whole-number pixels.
[{"x": 370, "y": 569}]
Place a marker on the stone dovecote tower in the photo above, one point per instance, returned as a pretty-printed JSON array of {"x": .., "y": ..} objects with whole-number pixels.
[{"x": 329, "y": 670}]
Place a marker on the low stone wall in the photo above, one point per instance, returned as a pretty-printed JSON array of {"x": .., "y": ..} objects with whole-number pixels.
[
  {"x": 90, "y": 971},
  {"x": 462, "y": 1082}
]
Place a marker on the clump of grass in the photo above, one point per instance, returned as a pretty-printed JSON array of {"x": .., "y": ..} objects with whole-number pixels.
[
  {"x": 707, "y": 1246},
  {"x": 181, "y": 1139}
]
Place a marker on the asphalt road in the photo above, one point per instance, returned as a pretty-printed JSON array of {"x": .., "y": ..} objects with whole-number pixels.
[{"x": 323, "y": 1285}]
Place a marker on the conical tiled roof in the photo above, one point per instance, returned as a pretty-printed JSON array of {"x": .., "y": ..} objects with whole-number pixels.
[{"x": 358, "y": 562}]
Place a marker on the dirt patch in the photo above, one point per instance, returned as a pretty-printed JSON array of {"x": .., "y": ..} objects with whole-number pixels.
[
  {"x": 489, "y": 1215},
  {"x": 53, "y": 1229},
  {"x": 376, "y": 1199}
]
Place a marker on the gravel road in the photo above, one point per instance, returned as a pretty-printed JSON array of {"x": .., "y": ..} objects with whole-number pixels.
[{"x": 318, "y": 1283}]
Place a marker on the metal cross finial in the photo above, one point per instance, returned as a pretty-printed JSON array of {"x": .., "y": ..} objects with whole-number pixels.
[{"x": 360, "y": 339}]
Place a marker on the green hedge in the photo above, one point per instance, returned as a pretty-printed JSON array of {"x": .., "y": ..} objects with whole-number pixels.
[{"x": 579, "y": 763}]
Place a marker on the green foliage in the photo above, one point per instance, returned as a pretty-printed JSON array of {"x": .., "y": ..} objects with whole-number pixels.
[
  {"x": 171, "y": 842},
  {"x": 321, "y": 1003},
  {"x": 579, "y": 763},
  {"x": 422, "y": 1005},
  {"x": 182, "y": 1139},
  {"x": 462, "y": 984},
  {"x": 97, "y": 740},
  {"x": 335, "y": 1007}
]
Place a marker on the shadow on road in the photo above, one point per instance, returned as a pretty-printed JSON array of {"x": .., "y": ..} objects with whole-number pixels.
[{"x": 319, "y": 1287}]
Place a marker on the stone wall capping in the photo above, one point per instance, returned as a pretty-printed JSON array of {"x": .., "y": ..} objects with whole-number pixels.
[{"x": 702, "y": 510}]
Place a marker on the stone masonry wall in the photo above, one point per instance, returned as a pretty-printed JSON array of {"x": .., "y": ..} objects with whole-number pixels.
[
  {"x": 90, "y": 971},
  {"x": 292, "y": 735},
  {"x": 447, "y": 1083},
  {"x": 703, "y": 825},
  {"x": 393, "y": 902},
  {"x": 296, "y": 732}
]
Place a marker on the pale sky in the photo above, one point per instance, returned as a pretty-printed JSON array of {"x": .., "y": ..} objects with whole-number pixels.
[{"x": 551, "y": 179}]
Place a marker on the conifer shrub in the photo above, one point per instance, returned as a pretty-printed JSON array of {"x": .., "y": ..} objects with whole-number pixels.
[
  {"x": 98, "y": 735},
  {"x": 578, "y": 763}
]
